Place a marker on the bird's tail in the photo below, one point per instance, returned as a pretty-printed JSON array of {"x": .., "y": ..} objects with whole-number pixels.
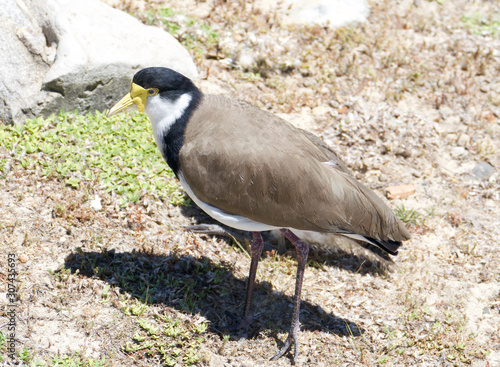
[{"x": 387, "y": 245}]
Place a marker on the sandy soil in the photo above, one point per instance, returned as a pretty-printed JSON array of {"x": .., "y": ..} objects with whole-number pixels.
[{"x": 410, "y": 97}]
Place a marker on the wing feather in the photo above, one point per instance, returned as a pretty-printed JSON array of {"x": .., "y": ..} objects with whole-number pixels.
[{"x": 251, "y": 163}]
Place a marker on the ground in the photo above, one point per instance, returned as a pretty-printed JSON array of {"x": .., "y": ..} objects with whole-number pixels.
[{"x": 410, "y": 97}]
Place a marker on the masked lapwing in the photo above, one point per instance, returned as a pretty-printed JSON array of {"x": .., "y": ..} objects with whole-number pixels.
[{"x": 253, "y": 171}]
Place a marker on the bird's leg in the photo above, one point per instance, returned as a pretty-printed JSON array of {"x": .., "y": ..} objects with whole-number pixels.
[
  {"x": 302, "y": 249},
  {"x": 256, "y": 247}
]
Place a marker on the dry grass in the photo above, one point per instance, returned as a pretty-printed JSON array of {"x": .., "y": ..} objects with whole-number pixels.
[{"x": 412, "y": 96}]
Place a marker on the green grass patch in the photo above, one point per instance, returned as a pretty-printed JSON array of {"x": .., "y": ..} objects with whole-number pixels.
[
  {"x": 118, "y": 154},
  {"x": 409, "y": 216},
  {"x": 483, "y": 24},
  {"x": 174, "y": 341},
  {"x": 3, "y": 346},
  {"x": 165, "y": 16},
  {"x": 62, "y": 360}
]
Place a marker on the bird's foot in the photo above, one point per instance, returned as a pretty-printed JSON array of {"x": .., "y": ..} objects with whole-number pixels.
[
  {"x": 209, "y": 229},
  {"x": 240, "y": 326},
  {"x": 293, "y": 337}
]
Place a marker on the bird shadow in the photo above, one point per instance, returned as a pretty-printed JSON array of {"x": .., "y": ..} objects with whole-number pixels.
[{"x": 199, "y": 285}]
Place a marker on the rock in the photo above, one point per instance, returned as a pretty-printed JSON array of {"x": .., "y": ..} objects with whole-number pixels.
[
  {"x": 78, "y": 54},
  {"x": 25, "y": 58},
  {"x": 459, "y": 153},
  {"x": 400, "y": 192},
  {"x": 321, "y": 111},
  {"x": 23, "y": 258},
  {"x": 96, "y": 203},
  {"x": 483, "y": 170},
  {"x": 490, "y": 117},
  {"x": 246, "y": 60},
  {"x": 343, "y": 110}
]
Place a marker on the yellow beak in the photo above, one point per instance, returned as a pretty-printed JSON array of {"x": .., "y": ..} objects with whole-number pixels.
[{"x": 137, "y": 95}]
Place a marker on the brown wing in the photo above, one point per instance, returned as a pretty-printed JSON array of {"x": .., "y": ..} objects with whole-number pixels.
[
  {"x": 333, "y": 158},
  {"x": 249, "y": 162}
]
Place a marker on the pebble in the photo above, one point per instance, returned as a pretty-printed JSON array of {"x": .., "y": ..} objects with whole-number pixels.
[
  {"x": 459, "y": 152},
  {"x": 246, "y": 60},
  {"x": 399, "y": 192},
  {"x": 321, "y": 111},
  {"x": 483, "y": 170},
  {"x": 23, "y": 258},
  {"x": 96, "y": 203}
]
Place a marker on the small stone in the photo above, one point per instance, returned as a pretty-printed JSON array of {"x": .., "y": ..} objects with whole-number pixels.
[
  {"x": 400, "y": 192},
  {"x": 342, "y": 110},
  {"x": 23, "y": 258},
  {"x": 324, "y": 90},
  {"x": 483, "y": 170},
  {"x": 486, "y": 310},
  {"x": 490, "y": 117},
  {"x": 96, "y": 203},
  {"x": 320, "y": 110},
  {"x": 459, "y": 153},
  {"x": 246, "y": 60}
]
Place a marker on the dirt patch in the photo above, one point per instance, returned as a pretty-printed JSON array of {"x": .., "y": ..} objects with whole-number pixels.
[{"x": 410, "y": 97}]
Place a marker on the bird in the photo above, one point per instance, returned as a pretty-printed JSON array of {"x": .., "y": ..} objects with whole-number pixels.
[{"x": 253, "y": 171}]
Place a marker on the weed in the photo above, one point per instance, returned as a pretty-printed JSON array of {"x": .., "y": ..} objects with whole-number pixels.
[
  {"x": 409, "y": 216},
  {"x": 359, "y": 349},
  {"x": 483, "y": 25},
  {"x": 383, "y": 359},
  {"x": 75, "y": 360},
  {"x": 170, "y": 338},
  {"x": 25, "y": 355}
]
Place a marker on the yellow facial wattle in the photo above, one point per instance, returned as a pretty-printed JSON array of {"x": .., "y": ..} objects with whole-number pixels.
[{"x": 138, "y": 96}]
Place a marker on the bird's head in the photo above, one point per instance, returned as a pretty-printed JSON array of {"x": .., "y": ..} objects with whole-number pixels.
[{"x": 147, "y": 83}]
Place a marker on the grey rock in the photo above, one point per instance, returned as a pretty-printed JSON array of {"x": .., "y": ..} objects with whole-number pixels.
[
  {"x": 22, "y": 66},
  {"x": 483, "y": 170},
  {"x": 75, "y": 54}
]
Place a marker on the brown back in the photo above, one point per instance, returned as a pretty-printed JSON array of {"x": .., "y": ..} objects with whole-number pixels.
[{"x": 249, "y": 162}]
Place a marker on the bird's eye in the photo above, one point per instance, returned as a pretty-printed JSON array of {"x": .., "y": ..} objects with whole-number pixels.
[{"x": 152, "y": 92}]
